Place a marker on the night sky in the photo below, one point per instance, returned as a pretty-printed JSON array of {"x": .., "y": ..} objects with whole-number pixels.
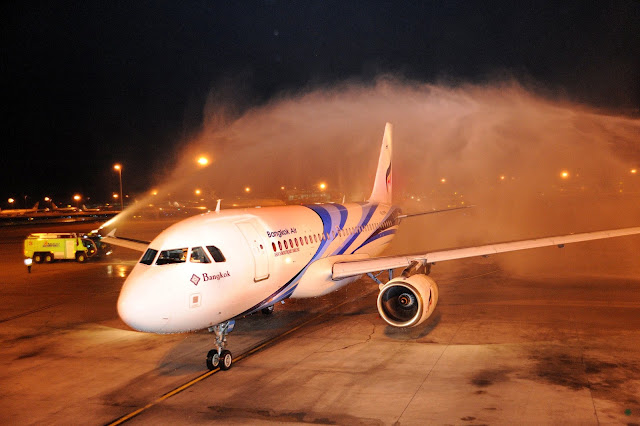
[{"x": 88, "y": 84}]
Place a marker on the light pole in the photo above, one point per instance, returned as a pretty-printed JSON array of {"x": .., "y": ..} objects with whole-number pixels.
[{"x": 118, "y": 167}]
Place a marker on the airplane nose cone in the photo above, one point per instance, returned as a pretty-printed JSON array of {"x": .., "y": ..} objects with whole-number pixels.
[{"x": 142, "y": 310}]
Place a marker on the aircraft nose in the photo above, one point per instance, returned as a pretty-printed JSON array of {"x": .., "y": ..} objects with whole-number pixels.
[{"x": 142, "y": 310}]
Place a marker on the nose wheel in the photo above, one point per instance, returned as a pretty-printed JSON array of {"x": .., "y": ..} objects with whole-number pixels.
[{"x": 220, "y": 357}]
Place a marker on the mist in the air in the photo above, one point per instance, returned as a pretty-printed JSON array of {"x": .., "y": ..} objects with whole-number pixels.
[{"x": 531, "y": 165}]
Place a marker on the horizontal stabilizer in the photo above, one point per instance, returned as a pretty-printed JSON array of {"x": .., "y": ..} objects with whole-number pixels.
[{"x": 404, "y": 216}]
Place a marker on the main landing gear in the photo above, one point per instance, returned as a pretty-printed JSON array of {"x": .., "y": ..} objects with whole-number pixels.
[{"x": 220, "y": 357}]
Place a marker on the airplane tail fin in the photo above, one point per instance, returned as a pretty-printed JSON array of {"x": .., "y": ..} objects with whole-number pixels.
[{"x": 382, "y": 186}]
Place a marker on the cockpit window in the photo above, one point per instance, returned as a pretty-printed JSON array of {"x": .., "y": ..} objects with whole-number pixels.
[
  {"x": 172, "y": 256},
  {"x": 148, "y": 257},
  {"x": 198, "y": 256},
  {"x": 216, "y": 254}
]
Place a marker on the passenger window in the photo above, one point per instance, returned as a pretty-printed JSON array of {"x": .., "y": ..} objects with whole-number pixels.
[
  {"x": 198, "y": 256},
  {"x": 274, "y": 246},
  {"x": 316, "y": 237},
  {"x": 148, "y": 257},
  {"x": 216, "y": 254},
  {"x": 290, "y": 243},
  {"x": 172, "y": 256},
  {"x": 279, "y": 245},
  {"x": 285, "y": 245},
  {"x": 306, "y": 240},
  {"x": 296, "y": 240}
]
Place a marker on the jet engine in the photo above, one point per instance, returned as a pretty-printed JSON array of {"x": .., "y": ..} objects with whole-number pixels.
[{"x": 408, "y": 301}]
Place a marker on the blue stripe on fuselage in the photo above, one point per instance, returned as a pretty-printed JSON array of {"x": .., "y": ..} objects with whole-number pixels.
[{"x": 367, "y": 212}]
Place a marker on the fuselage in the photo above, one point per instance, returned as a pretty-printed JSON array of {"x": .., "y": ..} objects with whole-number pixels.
[{"x": 222, "y": 265}]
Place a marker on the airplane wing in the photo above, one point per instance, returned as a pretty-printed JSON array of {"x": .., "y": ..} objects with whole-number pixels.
[
  {"x": 359, "y": 267},
  {"x": 129, "y": 243}
]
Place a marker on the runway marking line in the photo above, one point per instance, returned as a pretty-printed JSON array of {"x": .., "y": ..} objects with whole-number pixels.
[
  {"x": 203, "y": 376},
  {"x": 24, "y": 314}
]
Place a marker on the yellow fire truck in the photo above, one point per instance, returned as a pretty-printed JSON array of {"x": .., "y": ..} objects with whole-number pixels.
[{"x": 47, "y": 247}]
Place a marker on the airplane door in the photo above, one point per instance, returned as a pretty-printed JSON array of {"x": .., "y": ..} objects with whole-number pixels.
[{"x": 249, "y": 230}]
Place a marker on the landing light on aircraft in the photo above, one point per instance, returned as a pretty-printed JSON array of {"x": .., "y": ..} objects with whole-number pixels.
[{"x": 203, "y": 161}]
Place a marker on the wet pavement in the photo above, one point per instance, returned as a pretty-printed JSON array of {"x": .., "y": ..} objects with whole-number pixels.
[{"x": 502, "y": 347}]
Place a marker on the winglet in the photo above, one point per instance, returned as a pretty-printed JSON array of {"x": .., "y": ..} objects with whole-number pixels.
[
  {"x": 382, "y": 186},
  {"x": 112, "y": 233}
]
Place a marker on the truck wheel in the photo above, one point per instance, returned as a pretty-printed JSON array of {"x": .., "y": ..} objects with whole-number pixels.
[
  {"x": 37, "y": 257},
  {"x": 81, "y": 257},
  {"x": 48, "y": 258}
]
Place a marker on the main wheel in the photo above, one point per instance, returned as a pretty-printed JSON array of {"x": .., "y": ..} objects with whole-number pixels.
[
  {"x": 225, "y": 360},
  {"x": 268, "y": 310},
  {"x": 48, "y": 258},
  {"x": 37, "y": 257},
  {"x": 213, "y": 359},
  {"x": 81, "y": 257}
]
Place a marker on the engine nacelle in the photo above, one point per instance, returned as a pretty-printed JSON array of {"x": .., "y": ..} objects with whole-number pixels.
[{"x": 407, "y": 302}]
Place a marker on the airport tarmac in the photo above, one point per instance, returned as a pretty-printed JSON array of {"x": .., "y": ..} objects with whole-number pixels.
[{"x": 500, "y": 348}]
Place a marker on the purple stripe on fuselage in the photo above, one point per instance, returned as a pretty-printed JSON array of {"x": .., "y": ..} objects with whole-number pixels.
[
  {"x": 367, "y": 212},
  {"x": 376, "y": 236}
]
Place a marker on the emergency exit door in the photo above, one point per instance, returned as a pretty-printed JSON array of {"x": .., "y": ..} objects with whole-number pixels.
[{"x": 258, "y": 248}]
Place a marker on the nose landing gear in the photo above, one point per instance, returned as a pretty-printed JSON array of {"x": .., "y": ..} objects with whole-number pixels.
[{"x": 220, "y": 357}]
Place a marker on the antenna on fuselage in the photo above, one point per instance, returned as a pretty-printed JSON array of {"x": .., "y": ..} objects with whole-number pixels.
[{"x": 218, "y": 205}]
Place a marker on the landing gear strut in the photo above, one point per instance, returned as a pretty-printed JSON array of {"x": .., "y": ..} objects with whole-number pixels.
[{"x": 220, "y": 357}]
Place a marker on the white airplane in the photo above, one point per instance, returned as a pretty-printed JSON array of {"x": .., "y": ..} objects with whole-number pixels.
[
  {"x": 208, "y": 270},
  {"x": 87, "y": 209},
  {"x": 69, "y": 209},
  {"x": 19, "y": 212}
]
